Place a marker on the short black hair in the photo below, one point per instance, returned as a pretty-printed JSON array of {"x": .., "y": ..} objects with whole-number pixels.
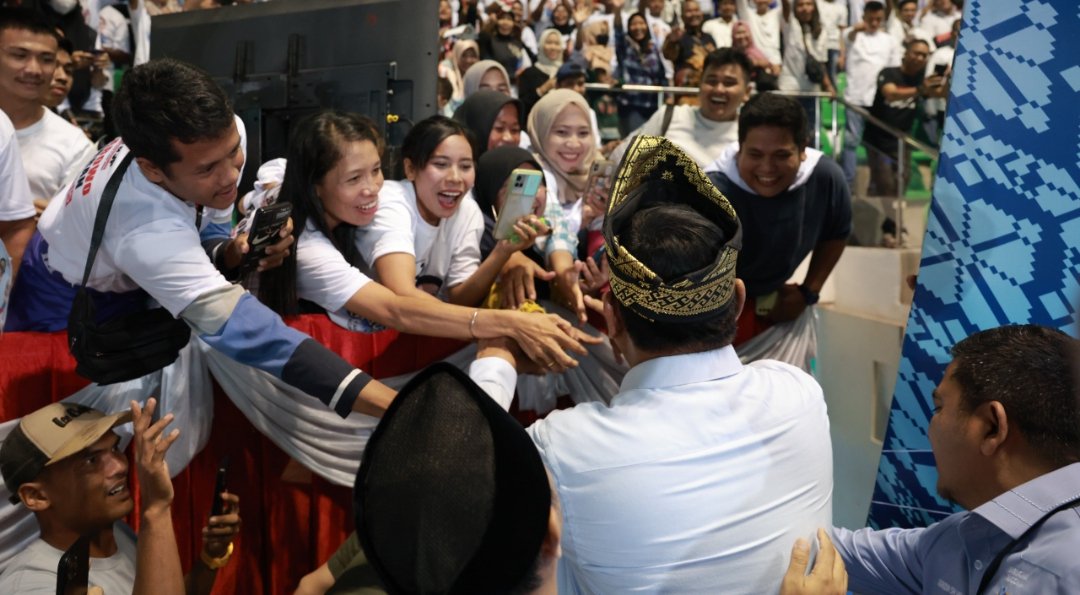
[
  {"x": 725, "y": 56},
  {"x": 771, "y": 109},
  {"x": 902, "y": 3},
  {"x": 873, "y": 6},
  {"x": 168, "y": 99},
  {"x": 23, "y": 19},
  {"x": 674, "y": 240},
  {"x": 65, "y": 45},
  {"x": 1029, "y": 369}
]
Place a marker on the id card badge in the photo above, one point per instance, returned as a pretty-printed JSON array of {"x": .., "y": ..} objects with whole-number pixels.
[{"x": 764, "y": 304}]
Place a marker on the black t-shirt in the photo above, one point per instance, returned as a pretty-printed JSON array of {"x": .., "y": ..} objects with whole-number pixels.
[
  {"x": 779, "y": 232},
  {"x": 898, "y": 114}
]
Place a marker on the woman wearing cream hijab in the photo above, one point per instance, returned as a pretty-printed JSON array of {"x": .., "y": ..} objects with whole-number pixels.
[
  {"x": 465, "y": 53},
  {"x": 565, "y": 144}
]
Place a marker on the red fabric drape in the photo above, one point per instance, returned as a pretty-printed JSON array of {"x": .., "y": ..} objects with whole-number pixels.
[{"x": 292, "y": 519}]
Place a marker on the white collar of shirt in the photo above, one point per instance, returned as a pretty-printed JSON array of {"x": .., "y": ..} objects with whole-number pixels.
[
  {"x": 692, "y": 368},
  {"x": 1016, "y": 510},
  {"x": 726, "y": 165}
]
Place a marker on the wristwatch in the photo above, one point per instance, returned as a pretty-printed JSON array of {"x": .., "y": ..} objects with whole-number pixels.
[
  {"x": 810, "y": 297},
  {"x": 216, "y": 563}
]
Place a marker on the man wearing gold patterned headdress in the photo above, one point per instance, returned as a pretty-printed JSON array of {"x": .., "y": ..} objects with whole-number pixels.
[{"x": 702, "y": 471}]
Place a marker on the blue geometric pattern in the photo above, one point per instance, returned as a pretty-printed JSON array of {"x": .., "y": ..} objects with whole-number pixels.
[{"x": 1003, "y": 241}]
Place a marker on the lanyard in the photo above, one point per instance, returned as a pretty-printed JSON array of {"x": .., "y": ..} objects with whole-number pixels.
[{"x": 992, "y": 569}]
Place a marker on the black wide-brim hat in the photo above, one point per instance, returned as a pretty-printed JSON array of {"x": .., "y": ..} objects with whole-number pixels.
[{"x": 451, "y": 496}]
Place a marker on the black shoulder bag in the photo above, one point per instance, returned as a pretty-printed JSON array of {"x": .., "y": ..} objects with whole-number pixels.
[
  {"x": 815, "y": 72},
  {"x": 129, "y": 346}
]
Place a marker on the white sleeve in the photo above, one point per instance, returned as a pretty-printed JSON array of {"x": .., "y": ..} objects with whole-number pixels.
[
  {"x": 323, "y": 275},
  {"x": 392, "y": 230},
  {"x": 16, "y": 203},
  {"x": 80, "y": 157},
  {"x": 113, "y": 30},
  {"x": 496, "y": 377},
  {"x": 465, "y": 259},
  {"x": 189, "y": 274}
]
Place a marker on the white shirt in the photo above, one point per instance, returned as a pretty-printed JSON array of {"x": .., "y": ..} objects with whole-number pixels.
[
  {"x": 938, "y": 24},
  {"x": 16, "y": 202},
  {"x": 324, "y": 277},
  {"x": 793, "y": 71},
  {"x": 147, "y": 227},
  {"x": 720, "y": 30},
  {"x": 866, "y": 56},
  {"x": 53, "y": 154},
  {"x": 834, "y": 16},
  {"x": 449, "y": 251},
  {"x": 943, "y": 56},
  {"x": 33, "y": 570},
  {"x": 764, "y": 28},
  {"x": 696, "y": 479},
  {"x": 701, "y": 138}
]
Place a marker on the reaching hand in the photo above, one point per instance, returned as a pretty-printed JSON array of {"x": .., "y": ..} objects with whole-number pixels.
[
  {"x": 790, "y": 303},
  {"x": 275, "y": 253},
  {"x": 518, "y": 281},
  {"x": 594, "y": 277},
  {"x": 828, "y": 576},
  {"x": 151, "y": 444}
]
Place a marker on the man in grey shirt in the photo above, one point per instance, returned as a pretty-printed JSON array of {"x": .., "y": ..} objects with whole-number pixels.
[{"x": 1006, "y": 439}]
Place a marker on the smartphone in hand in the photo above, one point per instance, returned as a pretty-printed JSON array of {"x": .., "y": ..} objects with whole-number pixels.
[
  {"x": 601, "y": 178},
  {"x": 220, "y": 485},
  {"x": 520, "y": 200},
  {"x": 266, "y": 225}
]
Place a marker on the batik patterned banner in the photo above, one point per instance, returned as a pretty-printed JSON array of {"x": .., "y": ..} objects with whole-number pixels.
[{"x": 1003, "y": 240}]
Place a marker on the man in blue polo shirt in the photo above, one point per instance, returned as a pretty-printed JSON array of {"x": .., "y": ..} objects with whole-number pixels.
[{"x": 1006, "y": 438}]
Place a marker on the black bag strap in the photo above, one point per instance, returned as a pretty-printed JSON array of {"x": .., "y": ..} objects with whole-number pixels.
[
  {"x": 102, "y": 216},
  {"x": 992, "y": 569},
  {"x": 669, "y": 111}
]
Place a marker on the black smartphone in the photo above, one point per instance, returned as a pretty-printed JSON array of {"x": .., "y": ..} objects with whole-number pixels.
[
  {"x": 599, "y": 255},
  {"x": 266, "y": 225},
  {"x": 73, "y": 571},
  {"x": 220, "y": 485},
  {"x": 939, "y": 69}
]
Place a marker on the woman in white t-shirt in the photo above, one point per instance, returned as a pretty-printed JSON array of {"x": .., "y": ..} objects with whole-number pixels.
[
  {"x": 425, "y": 240},
  {"x": 804, "y": 40},
  {"x": 333, "y": 178}
]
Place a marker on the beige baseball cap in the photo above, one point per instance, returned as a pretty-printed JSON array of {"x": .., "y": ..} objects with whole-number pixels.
[{"x": 48, "y": 435}]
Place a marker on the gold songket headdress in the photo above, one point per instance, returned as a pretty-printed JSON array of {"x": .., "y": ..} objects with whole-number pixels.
[{"x": 654, "y": 171}]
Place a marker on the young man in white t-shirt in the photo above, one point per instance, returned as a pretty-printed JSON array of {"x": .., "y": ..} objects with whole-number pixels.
[
  {"x": 53, "y": 150},
  {"x": 16, "y": 211},
  {"x": 869, "y": 50},
  {"x": 764, "y": 22},
  {"x": 720, "y": 27},
  {"x": 183, "y": 150}
]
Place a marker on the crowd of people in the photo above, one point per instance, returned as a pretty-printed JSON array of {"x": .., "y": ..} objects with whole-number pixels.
[{"x": 691, "y": 464}]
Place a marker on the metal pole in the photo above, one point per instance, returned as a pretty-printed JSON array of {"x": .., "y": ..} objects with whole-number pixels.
[{"x": 901, "y": 188}]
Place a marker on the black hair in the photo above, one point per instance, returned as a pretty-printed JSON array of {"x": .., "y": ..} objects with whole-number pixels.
[
  {"x": 168, "y": 99},
  {"x": 725, "y": 56},
  {"x": 426, "y": 136},
  {"x": 22, "y": 19},
  {"x": 1029, "y": 369},
  {"x": 902, "y": 3},
  {"x": 314, "y": 149},
  {"x": 771, "y": 109},
  {"x": 674, "y": 240},
  {"x": 65, "y": 45},
  {"x": 873, "y": 6},
  {"x": 444, "y": 88},
  {"x": 815, "y": 20}
]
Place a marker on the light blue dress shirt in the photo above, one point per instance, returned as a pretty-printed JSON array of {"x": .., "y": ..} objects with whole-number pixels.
[
  {"x": 952, "y": 555},
  {"x": 697, "y": 479}
]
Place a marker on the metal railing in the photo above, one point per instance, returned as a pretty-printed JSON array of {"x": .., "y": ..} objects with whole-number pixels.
[{"x": 904, "y": 141}]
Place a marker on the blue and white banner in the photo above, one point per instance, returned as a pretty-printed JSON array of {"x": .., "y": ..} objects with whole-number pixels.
[{"x": 1003, "y": 240}]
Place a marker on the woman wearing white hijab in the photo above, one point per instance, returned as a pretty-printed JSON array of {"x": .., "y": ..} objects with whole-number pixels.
[
  {"x": 487, "y": 74},
  {"x": 539, "y": 78}
]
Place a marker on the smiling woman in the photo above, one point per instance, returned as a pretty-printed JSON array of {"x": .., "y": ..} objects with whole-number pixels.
[{"x": 333, "y": 179}]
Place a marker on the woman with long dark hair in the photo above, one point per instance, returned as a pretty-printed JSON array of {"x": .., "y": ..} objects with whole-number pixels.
[{"x": 333, "y": 178}]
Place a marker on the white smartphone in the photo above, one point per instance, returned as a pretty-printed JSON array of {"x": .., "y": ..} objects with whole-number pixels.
[{"x": 520, "y": 200}]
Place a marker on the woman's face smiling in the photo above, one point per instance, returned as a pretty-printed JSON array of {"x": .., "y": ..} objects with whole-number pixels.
[
  {"x": 493, "y": 79},
  {"x": 444, "y": 180},
  {"x": 638, "y": 28},
  {"x": 350, "y": 190},
  {"x": 570, "y": 139},
  {"x": 553, "y": 47},
  {"x": 506, "y": 130}
]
